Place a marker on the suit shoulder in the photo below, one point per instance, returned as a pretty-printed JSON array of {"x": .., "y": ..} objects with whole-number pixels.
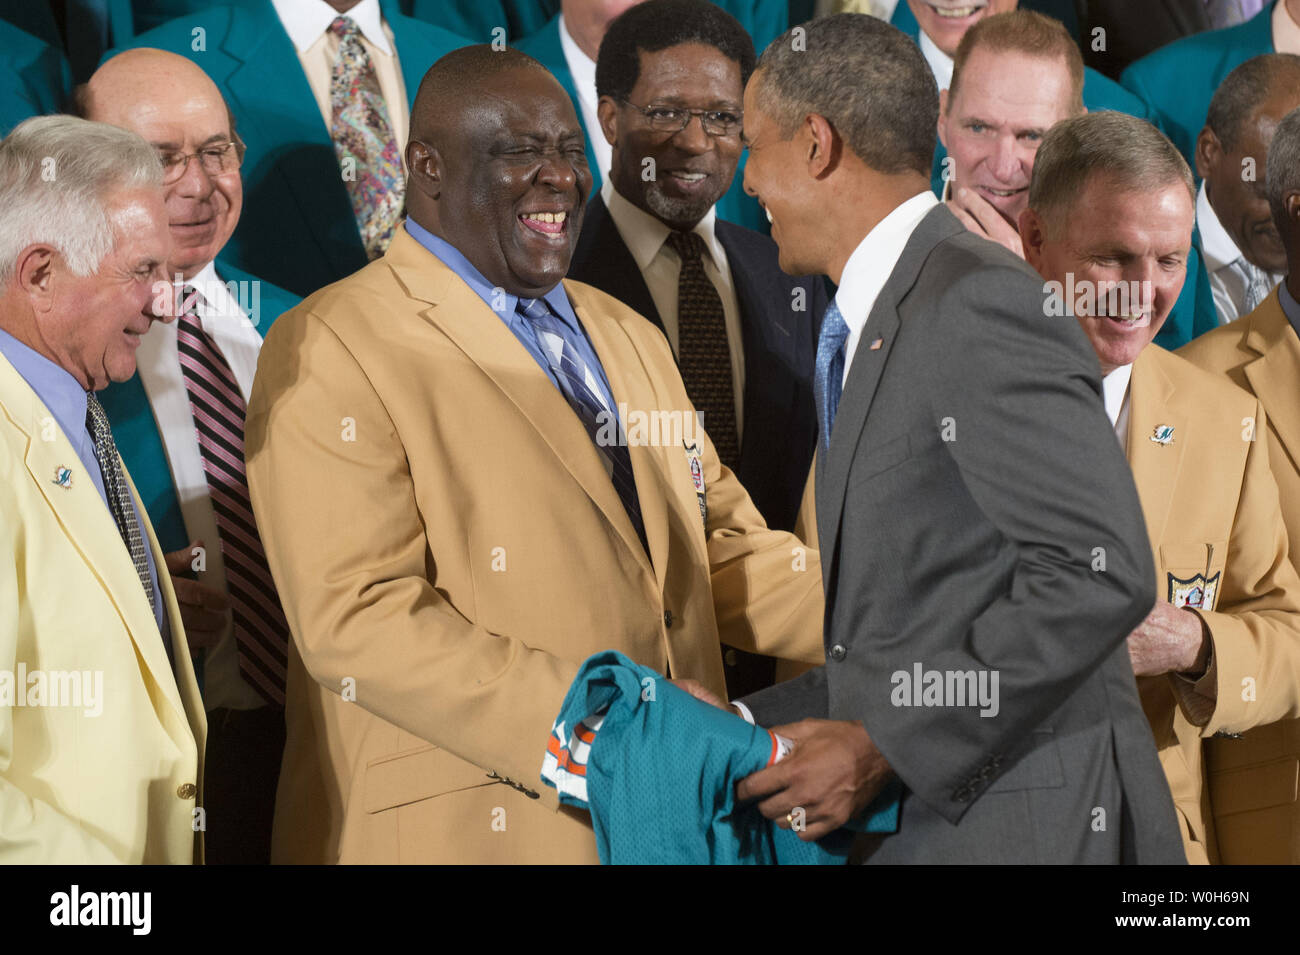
[
  {"x": 435, "y": 37},
  {"x": 177, "y": 36},
  {"x": 1220, "y": 349},
  {"x": 343, "y": 306},
  {"x": 1205, "y": 392},
  {"x": 968, "y": 259},
  {"x": 1197, "y": 47}
]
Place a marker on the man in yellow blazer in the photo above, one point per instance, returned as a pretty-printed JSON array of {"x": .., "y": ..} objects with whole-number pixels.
[
  {"x": 1110, "y": 221},
  {"x": 450, "y": 531},
  {"x": 101, "y": 726},
  {"x": 1253, "y": 779}
]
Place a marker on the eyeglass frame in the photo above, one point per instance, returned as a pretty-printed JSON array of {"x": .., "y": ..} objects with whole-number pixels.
[
  {"x": 183, "y": 162},
  {"x": 690, "y": 114}
]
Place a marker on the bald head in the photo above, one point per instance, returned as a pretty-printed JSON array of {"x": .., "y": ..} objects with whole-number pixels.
[
  {"x": 455, "y": 86},
  {"x": 173, "y": 105}
]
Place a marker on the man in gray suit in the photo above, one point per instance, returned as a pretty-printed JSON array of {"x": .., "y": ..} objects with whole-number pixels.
[{"x": 982, "y": 542}]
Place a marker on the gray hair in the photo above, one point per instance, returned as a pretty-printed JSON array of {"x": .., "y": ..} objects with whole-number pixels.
[
  {"x": 1129, "y": 151},
  {"x": 1283, "y": 172},
  {"x": 868, "y": 79},
  {"x": 56, "y": 172}
]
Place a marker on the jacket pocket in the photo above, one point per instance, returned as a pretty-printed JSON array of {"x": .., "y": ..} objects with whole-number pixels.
[
  {"x": 873, "y": 461},
  {"x": 1039, "y": 768},
  {"x": 415, "y": 774}
]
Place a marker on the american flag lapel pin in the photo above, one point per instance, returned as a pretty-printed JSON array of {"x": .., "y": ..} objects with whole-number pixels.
[{"x": 875, "y": 345}]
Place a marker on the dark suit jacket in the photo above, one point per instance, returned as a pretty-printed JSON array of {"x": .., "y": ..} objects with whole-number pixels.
[
  {"x": 972, "y": 485},
  {"x": 297, "y": 229},
  {"x": 780, "y": 420}
]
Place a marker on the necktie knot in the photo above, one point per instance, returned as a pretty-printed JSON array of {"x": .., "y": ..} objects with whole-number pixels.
[
  {"x": 345, "y": 27},
  {"x": 688, "y": 245}
]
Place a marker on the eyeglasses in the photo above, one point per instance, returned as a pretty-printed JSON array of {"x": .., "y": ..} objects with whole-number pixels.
[
  {"x": 673, "y": 119},
  {"x": 216, "y": 159}
]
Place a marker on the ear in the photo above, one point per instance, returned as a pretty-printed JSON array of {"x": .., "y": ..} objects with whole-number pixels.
[
  {"x": 1032, "y": 236},
  {"x": 1209, "y": 151},
  {"x": 1291, "y": 203},
  {"x": 607, "y": 114},
  {"x": 425, "y": 164},
  {"x": 821, "y": 144},
  {"x": 943, "y": 118},
  {"x": 35, "y": 274}
]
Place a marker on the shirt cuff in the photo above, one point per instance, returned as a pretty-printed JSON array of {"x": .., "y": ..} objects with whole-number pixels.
[{"x": 747, "y": 716}]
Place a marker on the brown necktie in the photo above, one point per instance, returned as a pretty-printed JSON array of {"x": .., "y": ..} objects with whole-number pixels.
[{"x": 703, "y": 354}]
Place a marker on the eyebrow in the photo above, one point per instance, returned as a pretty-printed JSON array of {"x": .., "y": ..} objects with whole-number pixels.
[
  {"x": 177, "y": 147},
  {"x": 1018, "y": 130}
]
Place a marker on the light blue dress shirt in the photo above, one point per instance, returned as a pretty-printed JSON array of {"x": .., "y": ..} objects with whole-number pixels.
[{"x": 66, "y": 400}]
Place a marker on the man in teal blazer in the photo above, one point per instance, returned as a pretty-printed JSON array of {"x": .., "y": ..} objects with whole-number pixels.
[
  {"x": 298, "y": 229},
  {"x": 1099, "y": 91},
  {"x": 764, "y": 20},
  {"x": 34, "y": 77},
  {"x": 1177, "y": 81}
]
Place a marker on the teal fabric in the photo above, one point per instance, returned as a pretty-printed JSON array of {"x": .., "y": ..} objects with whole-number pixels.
[
  {"x": 476, "y": 19},
  {"x": 135, "y": 432},
  {"x": 1193, "y": 313},
  {"x": 34, "y": 77},
  {"x": 662, "y": 774},
  {"x": 1178, "y": 81}
]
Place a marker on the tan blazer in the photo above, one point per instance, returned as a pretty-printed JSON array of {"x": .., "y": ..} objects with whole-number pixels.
[
  {"x": 449, "y": 547},
  {"x": 77, "y": 786},
  {"x": 1212, "y": 512},
  {"x": 1255, "y": 780}
]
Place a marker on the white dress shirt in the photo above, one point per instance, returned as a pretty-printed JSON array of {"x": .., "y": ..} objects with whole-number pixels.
[
  {"x": 647, "y": 239},
  {"x": 160, "y": 372},
  {"x": 1228, "y": 270},
  {"x": 308, "y": 24},
  {"x": 1286, "y": 32},
  {"x": 940, "y": 62},
  {"x": 1114, "y": 391},
  {"x": 872, "y": 262},
  {"x": 583, "y": 69}
]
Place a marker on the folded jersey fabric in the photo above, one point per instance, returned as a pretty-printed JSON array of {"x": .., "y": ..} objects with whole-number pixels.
[{"x": 657, "y": 769}]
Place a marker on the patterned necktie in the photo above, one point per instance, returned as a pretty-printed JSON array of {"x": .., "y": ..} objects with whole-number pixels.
[
  {"x": 364, "y": 141},
  {"x": 217, "y": 406},
  {"x": 703, "y": 354},
  {"x": 119, "y": 495},
  {"x": 829, "y": 371},
  {"x": 1258, "y": 285},
  {"x": 579, "y": 386}
]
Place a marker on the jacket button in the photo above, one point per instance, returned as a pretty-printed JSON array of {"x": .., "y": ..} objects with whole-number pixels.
[
  {"x": 838, "y": 652},
  {"x": 668, "y": 618},
  {"x": 187, "y": 790}
]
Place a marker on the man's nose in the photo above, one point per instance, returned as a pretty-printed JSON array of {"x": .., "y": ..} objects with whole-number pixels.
[
  {"x": 692, "y": 138},
  {"x": 194, "y": 181},
  {"x": 1007, "y": 158},
  {"x": 558, "y": 172}
]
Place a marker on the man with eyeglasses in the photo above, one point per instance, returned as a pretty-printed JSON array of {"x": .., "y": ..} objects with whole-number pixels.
[
  {"x": 179, "y": 426},
  {"x": 671, "y": 76}
]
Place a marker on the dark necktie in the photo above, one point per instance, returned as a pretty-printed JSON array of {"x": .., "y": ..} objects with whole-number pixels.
[
  {"x": 119, "y": 494},
  {"x": 703, "y": 354},
  {"x": 217, "y": 406},
  {"x": 577, "y": 385}
]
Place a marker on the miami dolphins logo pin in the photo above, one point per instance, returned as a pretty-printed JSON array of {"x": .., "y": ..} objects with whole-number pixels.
[
  {"x": 1163, "y": 434},
  {"x": 63, "y": 477}
]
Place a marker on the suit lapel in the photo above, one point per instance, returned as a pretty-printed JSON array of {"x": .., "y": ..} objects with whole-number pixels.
[
  {"x": 1154, "y": 464},
  {"x": 85, "y": 519},
  {"x": 1274, "y": 374},
  {"x": 868, "y": 365},
  {"x": 486, "y": 340}
]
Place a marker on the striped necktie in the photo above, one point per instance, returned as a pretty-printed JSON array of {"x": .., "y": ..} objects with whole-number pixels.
[
  {"x": 364, "y": 141},
  {"x": 703, "y": 353},
  {"x": 1258, "y": 284},
  {"x": 828, "y": 373},
  {"x": 119, "y": 495},
  {"x": 217, "y": 406},
  {"x": 579, "y": 386}
]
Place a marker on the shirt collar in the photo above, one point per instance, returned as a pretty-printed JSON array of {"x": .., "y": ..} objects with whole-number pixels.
[
  {"x": 580, "y": 64},
  {"x": 871, "y": 263},
  {"x": 216, "y": 303},
  {"x": 61, "y": 393},
  {"x": 1114, "y": 388},
  {"x": 307, "y": 20},
  {"x": 1216, "y": 245},
  {"x": 499, "y": 300},
  {"x": 644, "y": 235},
  {"x": 940, "y": 62}
]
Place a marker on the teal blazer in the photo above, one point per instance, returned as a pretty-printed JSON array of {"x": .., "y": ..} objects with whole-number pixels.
[
  {"x": 1099, "y": 92},
  {"x": 734, "y": 206},
  {"x": 297, "y": 228},
  {"x": 1177, "y": 81},
  {"x": 135, "y": 432},
  {"x": 34, "y": 77},
  {"x": 476, "y": 19},
  {"x": 1193, "y": 314}
]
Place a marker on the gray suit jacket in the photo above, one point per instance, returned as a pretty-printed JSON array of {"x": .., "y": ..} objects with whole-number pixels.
[{"x": 976, "y": 514}]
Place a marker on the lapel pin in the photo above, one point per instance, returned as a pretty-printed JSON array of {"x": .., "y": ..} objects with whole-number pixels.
[
  {"x": 63, "y": 477},
  {"x": 1163, "y": 434},
  {"x": 875, "y": 345}
]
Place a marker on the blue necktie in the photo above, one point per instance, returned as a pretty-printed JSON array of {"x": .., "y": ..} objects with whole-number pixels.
[
  {"x": 829, "y": 379},
  {"x": 577, "y": 385}
]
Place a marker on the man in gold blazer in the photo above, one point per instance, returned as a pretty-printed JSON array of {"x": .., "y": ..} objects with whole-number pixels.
[
  {"x": 1110, "y": 221},
  {"x": 101, "y": 726},
  {"x": 1255, "y": 779},
  {"x": 469, "y": 479}
]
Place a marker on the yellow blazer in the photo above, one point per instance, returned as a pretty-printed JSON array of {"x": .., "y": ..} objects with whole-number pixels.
[
  {"x": 1255, "y": 780},
  {"x": 76, "y": 786},
  {"x": 1212, "y": 512},
  {"x": 448, "y": 548}
]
